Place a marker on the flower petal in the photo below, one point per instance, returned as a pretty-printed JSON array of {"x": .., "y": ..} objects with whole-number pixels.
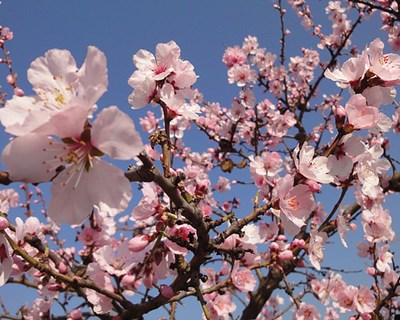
[
  {"x": 114, "y": 133},
  {"x": 33, "y": 158}
]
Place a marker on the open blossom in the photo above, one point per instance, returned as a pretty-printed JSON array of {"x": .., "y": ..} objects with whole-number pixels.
[
  {"x": 220, "y": 307},
  {"x": 295, "y": 202},
  {"x": 307, "y": 312},
  {"x": 244, "y": 279},
  {"x": 117, "y": 262},
  {"x": 351, "y": 72},
  {"x": 384, "y": 261},
  {"x": 234, "y": 55},
  {"x": 101, "y": 303},
  {"x": 370, "y": 167},
  {"x": 365, "y": 300},
  {"x": 81, "y": 178},
  {"x": 185, "y": 233},
  {"x": 385, "y": 66},
  {"x": 166, "y": 67},
  {"x": 147, "y": 207},
  {"x": 242, "y": 75},
  {"x": 58, "y": 85},
  {"x": 9, "y": 198},
  {"x": 359, "y": 114},
  {"x": 312, "y": 168},
  {"x": 345, "y": 299},
  {"x": 316, "y": 248},
  {"x": 377, "y": 225}
]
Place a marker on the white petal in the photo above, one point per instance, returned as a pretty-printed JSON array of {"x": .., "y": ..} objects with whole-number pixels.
[{"x": 57, "y": 68}]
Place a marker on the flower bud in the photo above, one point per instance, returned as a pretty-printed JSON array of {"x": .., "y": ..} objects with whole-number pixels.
[
  {"x": 138, "y": 243},
  {"x": 19, "y": 92},
  {"x": 3, "y": 223},
  {"x": 166, "y": 291}
]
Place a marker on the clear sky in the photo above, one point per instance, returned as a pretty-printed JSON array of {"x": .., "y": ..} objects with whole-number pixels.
[{"x": 203, "y": 29}]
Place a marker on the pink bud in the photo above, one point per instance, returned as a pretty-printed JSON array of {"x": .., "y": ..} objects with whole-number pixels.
[
  {"x": 53, "y": 287},
  {"x": 285, "y": 255},
  {"x": 340, "y": 111},
  {"x": 62, "y": 268},
  {"x": 301, "y": 243},
  {"x": 19, "y": 92},
  {"x": 298, "y": 243},
  {"x": 128, "y": 280},
  {"x": 10, "y": 79},
  {"x": 281, "y": 237},
  {"x": 225, "y": 269},
  {"x": 138, "y": 243},
  {"x": 313, "y": 185},
  {"x": 274, "y": 246},
  {"x": 353, "y": 226},
  {"x": 166, "y": 291},
  {"x": 3, "y": 223},
  {"x": 370, "y": 271},
  {"x": 75, "y": 314}
]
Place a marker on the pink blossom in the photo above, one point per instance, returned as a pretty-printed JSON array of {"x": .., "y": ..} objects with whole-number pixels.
[
  {"x": 351, "y": 72},
  {"x": 244, "y": 279},
  {"x": 234, "y": 55},
  {"x": 75, "y": 314},
  {"x": 365, "y": 300},
  {"x": 384, "y": 260},
  {"x": 316, "y": 248},
  {"x": 222, "y": 184},
  {"x": 138, "y": 243},
  {"x": 117, "y": 262},
  {"x": 385, "y": 66},
  {"x": 307, "y": 312},
  {"x": 166, "y": 66},
  {"x": 242, "y": 75},
  {"x": 221, "y": 306},
  {"x": 58, "y": 85},
  {"x": 310, "y": 167},
  {"x": 183, "y": 232},
  {"x": 331, "y": 314},
  {"x": 86, "y": 180},
  {"x": 9, "y": 198},
  {"x": 149, "y": 203},
  {"x": 346, "y": 298},
  {"x": 295, "y": 202},
  {"x": 3, "y": 223},
  {"x": 370, "y": 167},
  {"x": 377, "y": 225},
  {"x": 359, "y": 114},
  {"x": 269, "y": 164},
  {"x": 250, "y": 44},
  {"x": 101, "y": 303},
  {"x": 149, "y": 123},
  {"x": 176, "y": 105}
]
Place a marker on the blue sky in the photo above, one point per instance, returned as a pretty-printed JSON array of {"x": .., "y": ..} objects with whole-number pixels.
[{"x": 203, "y": 29}]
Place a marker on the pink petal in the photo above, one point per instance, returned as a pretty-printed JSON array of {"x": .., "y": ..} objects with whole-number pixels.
[
  {"x": 41, "y": 151},
  {"x": 114, "y": 133}
]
